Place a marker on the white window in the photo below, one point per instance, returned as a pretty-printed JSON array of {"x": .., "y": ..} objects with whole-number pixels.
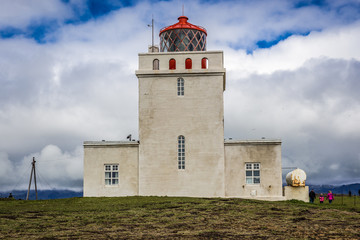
[
  {"x": 111, "y": 174},
  {"x": 252, "y": 173},
  {"x": 180, "y": 87},
  {"x": 181, "y": 152}
]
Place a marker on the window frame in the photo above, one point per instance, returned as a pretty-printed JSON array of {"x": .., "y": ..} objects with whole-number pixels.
[
  {"x": 156, "y": 64},
  {"x": 181, "y": 152},
  {"x": 204, "y": 63},
  {"x": 111, "y": 174},
  {"x": 172, "y": 64},
  {"x": 180, "y": 86},
  {"x": 188, "y": 63},
  {"x": 252, "y": 173}
]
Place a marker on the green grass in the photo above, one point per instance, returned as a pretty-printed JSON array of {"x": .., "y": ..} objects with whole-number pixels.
[{"x": 175, "y": 217}]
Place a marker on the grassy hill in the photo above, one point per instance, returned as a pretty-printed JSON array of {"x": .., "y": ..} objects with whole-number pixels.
[{"x": 169, "y": 217}]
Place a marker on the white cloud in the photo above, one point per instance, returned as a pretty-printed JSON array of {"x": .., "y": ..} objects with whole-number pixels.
[
  {"x": 21, "y": 13},
  {"x": 6, "y": 169},
  {"x": 55, "y": 169},
  {"x": 293, "y": 52}
]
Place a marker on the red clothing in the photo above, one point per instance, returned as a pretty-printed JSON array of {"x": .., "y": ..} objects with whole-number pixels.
[
  {"x": 330, "y": 196},
  {"x": 321, "y": 199}
]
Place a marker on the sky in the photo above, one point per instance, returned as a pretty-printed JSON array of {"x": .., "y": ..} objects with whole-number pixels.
[{"x": 67, "y": 76}]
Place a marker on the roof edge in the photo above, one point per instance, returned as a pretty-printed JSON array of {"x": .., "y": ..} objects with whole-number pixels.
[
  {"x": 111, "y": 143},
  {"x": 255, "y": 142}
]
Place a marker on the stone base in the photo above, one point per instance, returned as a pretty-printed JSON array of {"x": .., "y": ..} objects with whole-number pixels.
[{"x": 297, "y": 193}]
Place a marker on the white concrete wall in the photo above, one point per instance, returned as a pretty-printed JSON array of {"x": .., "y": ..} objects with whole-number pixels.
[
  {"x": 297, "y": 193},
  {"x": 198, "y": 115},
  {"x": 265, "y": 152},
  {"x": 97, "y": 154}
]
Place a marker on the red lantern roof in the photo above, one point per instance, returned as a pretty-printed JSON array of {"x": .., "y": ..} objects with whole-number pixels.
[{"x": 183, "y": 23}]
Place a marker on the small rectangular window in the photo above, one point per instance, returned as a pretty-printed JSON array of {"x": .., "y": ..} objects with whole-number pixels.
[
  {"x": 181, "y": 152},
  {"x": 111, "y": 174},
  {"x": 252, "y": 172},
  {"x": 156, "y": 64},
  {"x": 204, "y": 63},
  {"x": 172, "y": 64},
  {"x": 180, "y": 87}
]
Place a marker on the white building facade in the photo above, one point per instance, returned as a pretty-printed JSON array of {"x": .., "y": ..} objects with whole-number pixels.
[{"x": 181, "y": 149}]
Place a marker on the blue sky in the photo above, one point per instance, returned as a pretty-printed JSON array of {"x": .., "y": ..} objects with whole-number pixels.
[
  {"x": 67, "y": 76},
  {"x": 80, "y": 12}
]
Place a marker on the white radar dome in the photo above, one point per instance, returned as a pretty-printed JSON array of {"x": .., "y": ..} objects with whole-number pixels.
[{"x": 296, "y": 178}]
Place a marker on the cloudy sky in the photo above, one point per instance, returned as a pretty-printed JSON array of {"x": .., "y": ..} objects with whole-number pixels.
[{"x": 67, "y": 75}]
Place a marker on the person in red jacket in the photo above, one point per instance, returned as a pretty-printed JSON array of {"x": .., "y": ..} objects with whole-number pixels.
[
  {"x": 321, "y": 198},
  {"x": 330, "y": 196}
]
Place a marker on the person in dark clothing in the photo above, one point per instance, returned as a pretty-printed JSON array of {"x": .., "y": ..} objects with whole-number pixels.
[{"x": 312, "y": 195}]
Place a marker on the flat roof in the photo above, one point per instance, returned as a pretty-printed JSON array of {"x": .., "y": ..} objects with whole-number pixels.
[
  {"x": 111, "y": 143},
  {"x": 255, "y": 141}
]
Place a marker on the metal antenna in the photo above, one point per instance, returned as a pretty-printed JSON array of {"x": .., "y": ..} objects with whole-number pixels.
[
  {"x": 182, "y": 10},
  {"x": 32, "y": 170},
  {"x": 152, "y": 28},
  {"x": 152, "y": 32}
]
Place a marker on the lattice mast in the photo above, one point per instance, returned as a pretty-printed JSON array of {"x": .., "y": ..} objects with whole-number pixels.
[{"x": 182, "y": 36}]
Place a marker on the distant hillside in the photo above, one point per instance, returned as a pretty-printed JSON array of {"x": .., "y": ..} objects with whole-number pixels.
[
  {"x": 342, "y": 189},
  {"x": 43, "y": 194}
]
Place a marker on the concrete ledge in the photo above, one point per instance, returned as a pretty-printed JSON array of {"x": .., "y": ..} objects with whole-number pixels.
[
  {"x": 253, "y": 142},
  {"x": 111, "y": 144},
  {"x": 182, "y": 72}
]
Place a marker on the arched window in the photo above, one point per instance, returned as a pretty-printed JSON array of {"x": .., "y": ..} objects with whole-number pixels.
[
  {"x": 172, "y": 64},
  {"x": 204, "y": 63},
  {"x": 156, "y": 64},
  {"x": 180, "y": 86},
  {"x": 188, "y": 63},
  {"x": 181, "y": 152}
]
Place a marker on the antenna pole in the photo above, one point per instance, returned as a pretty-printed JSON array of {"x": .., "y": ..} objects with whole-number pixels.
[
  {"x": 152, "y": 28},
  {"x": 31, "y": 174},
  {"x": 182, "y": 10},
  {"x": 36, "y": 193}
]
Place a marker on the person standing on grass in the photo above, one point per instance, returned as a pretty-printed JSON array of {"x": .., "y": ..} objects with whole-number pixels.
[
  {"x": 312, "y": 195},
  {"x": 321, "y": 198},
  {"x": 330, "y": 196}
]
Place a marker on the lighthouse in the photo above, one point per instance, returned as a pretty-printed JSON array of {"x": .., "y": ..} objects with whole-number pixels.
[{"x": 181, "y": 149}]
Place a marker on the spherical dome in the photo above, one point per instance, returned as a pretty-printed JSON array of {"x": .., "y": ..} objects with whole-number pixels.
[
  {"x": 296, "y": 178},
  {"x": 182, "y": 36}
]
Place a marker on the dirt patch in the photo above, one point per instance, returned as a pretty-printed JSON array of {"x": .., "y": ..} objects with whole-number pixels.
[{"x": 298, "y": 219}]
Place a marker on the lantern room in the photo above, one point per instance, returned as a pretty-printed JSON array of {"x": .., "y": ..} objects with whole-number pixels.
[{"x": 182, "y": 36}]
